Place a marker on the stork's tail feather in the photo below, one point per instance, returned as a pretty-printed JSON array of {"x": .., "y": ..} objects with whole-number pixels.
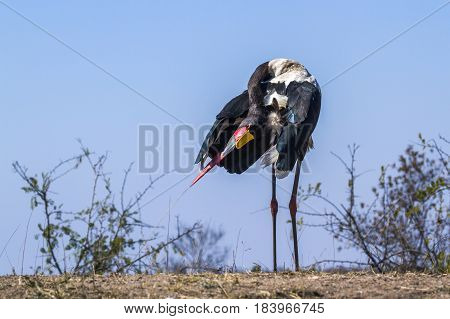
[
  {"x": 281, "y": 174},
  {"x": 269, "y": 157}
]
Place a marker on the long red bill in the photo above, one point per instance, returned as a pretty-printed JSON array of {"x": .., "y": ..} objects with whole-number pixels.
[
  {"x": 216, "y": 160},
  {"x": 240, "y": 137}
]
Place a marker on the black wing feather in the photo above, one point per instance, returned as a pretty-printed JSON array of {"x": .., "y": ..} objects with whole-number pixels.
[
  {"x": 227, "y": 121},
  {"x": 239, "y": 160},
  {"x": 235, "y": 108},
  {"x": 292, "y": 143}
]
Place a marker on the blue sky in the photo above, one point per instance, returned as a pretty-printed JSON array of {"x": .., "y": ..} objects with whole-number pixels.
[{"x": 191, "y": 58}]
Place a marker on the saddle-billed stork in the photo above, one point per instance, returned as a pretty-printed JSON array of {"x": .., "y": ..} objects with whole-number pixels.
[{"x": 273, "y": 120}]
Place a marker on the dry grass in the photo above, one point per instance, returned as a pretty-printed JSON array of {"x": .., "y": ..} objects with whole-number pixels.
[{"x": 232, "y": 285}]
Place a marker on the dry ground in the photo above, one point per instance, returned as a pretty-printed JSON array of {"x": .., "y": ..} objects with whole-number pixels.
[{"x": 233, "y": 285}]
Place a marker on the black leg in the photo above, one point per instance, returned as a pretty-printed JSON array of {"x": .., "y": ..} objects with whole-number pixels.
[
  {"x": 293, "y": 211},
  {"x": 274, "y": 210}
]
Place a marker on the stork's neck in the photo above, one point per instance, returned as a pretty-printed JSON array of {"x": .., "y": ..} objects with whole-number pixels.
[{"x": 255, "y": 92}]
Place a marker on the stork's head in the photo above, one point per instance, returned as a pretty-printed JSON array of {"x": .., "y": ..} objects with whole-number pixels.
[
  {"x": 240, "y": 137},
  {"x": 280, "y": 66}
]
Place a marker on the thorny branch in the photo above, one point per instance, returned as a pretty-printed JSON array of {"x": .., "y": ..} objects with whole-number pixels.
[
  {"x": 406, "y": 225},
  {"x": 100, "y": 238}
]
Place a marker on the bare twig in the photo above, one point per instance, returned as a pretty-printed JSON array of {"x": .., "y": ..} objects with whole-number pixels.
[
  {"x": 9, "y": 239},
  {"x": 159, "y": 248}
]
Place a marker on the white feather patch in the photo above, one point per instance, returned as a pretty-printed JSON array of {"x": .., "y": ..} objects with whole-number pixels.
[
  {"x": 300, "y": 75},
  {"x": 277, "y": 66},
  {"x": 281, "y": 174},
  {"x": 274, "y": 121},
  {"x": 286, "y": 70},
  {"x": 281, "y": 100},
  {"x": 269, "y": 157}
]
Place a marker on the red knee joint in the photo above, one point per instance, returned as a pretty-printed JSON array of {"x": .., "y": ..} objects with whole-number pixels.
[
  {"x": 274, "y": 206},
  {"x": 293, "y": 206}
]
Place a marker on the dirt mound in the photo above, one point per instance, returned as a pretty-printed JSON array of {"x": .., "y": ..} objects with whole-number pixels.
[{"x": 231, "y": 285}]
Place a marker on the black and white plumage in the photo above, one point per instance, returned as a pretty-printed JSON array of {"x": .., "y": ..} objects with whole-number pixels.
[
  {"x": 273, "y": 121},
  {"x": 281, "y": 106}
]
